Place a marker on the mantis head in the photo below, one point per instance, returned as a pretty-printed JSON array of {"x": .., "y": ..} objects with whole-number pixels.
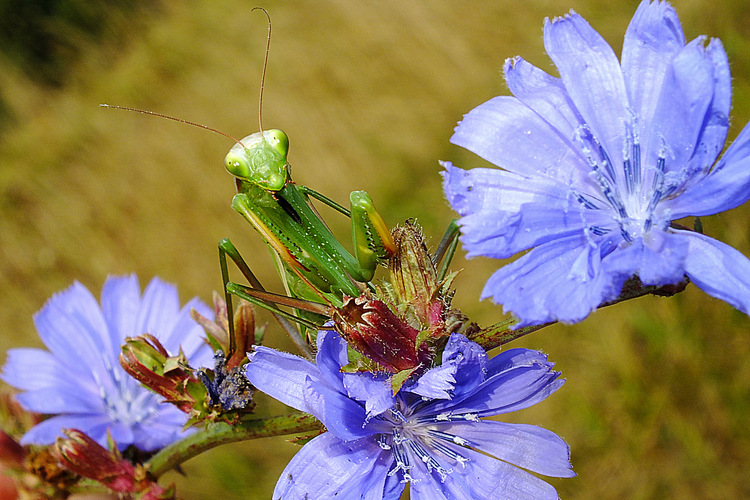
[{"x": 260, "y": 159}]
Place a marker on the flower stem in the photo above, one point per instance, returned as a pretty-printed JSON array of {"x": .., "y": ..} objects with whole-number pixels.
[
  {"x": 502, "y": 332},
  {"x": 218, "y": 433}
]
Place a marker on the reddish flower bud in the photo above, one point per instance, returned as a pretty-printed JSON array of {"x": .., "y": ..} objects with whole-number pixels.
[
  {"x": 375, "y": 331},
  {"x": 87, "y": 458},
  {"x": 405, "y": 329},
  {"x": 84, "y": 456},
  {"x": 146, "y": 360}
]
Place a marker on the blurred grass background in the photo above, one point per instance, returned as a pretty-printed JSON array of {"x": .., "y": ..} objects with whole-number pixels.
[{"x": 658, "y": 393}]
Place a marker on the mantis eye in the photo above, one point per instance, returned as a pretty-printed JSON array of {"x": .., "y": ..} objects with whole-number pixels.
[
  {"x": 278, "y": 141},
  {"x": 237, "y": 165}
]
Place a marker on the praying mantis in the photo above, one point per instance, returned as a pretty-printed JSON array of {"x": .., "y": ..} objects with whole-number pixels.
[{"x": 312, "y": 262}]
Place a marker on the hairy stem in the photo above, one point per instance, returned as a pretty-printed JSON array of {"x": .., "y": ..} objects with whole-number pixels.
[{"x": 218, "y": 433}]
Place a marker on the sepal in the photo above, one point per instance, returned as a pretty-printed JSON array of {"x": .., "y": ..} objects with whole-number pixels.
[{"x": 145, "y": 359}]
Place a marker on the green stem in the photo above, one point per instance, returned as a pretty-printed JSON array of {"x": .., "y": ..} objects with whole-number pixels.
[
  {"x": 218, "y": 433},
  {"x": 503, "y": 332}
]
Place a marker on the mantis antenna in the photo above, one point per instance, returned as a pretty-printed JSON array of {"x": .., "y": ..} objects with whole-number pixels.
[
  {"x": 180, "y": 120},
  {"x": 263, "y": 74}
]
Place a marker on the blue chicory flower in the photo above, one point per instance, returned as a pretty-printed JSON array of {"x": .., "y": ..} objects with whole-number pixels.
[
  {"x": 430, "y": 434},
  {"x": 80, "y": 381},
  {"x": 598, "y": 163}
]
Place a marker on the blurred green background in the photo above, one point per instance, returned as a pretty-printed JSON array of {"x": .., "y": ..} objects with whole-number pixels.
[{"x": 658, "y": 393}]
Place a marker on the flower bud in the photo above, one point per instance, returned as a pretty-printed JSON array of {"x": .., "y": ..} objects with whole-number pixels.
[
  {"x": 84, "y": 456},
  {"x": 413, "y": 273},
  {"x": 423, "y": 301},
  {"x": 146, "y": 360},
  {"x": 375, "y": 331}
]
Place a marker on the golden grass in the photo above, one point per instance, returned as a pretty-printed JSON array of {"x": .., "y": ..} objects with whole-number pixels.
[{"x": 658, "y": 393}]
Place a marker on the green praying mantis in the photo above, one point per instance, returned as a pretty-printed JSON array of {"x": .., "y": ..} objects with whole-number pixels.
[
  {"x": 314, "y": 265},
  {"x": 312, "y": 262}
]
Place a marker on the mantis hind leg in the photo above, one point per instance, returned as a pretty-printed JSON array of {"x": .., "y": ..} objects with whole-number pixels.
[{"x": 227, "y": 249}]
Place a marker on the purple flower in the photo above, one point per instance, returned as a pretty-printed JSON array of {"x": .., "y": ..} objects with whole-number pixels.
[
  {"x": 80, "y": 380},
  {"x": 430, "y": 434},
  {"x": 596, "y": 166}
]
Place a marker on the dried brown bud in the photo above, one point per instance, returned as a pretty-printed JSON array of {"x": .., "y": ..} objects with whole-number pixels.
[
  {"x": 244, "y": 334},
  {"x": 413, "y": 273}
]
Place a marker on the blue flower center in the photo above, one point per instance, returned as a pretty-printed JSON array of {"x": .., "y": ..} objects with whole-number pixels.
[
  {"x": 415, "y": 438},
  {"x": 630, "y": 194},
  {"x": 124, "y": 399}
]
